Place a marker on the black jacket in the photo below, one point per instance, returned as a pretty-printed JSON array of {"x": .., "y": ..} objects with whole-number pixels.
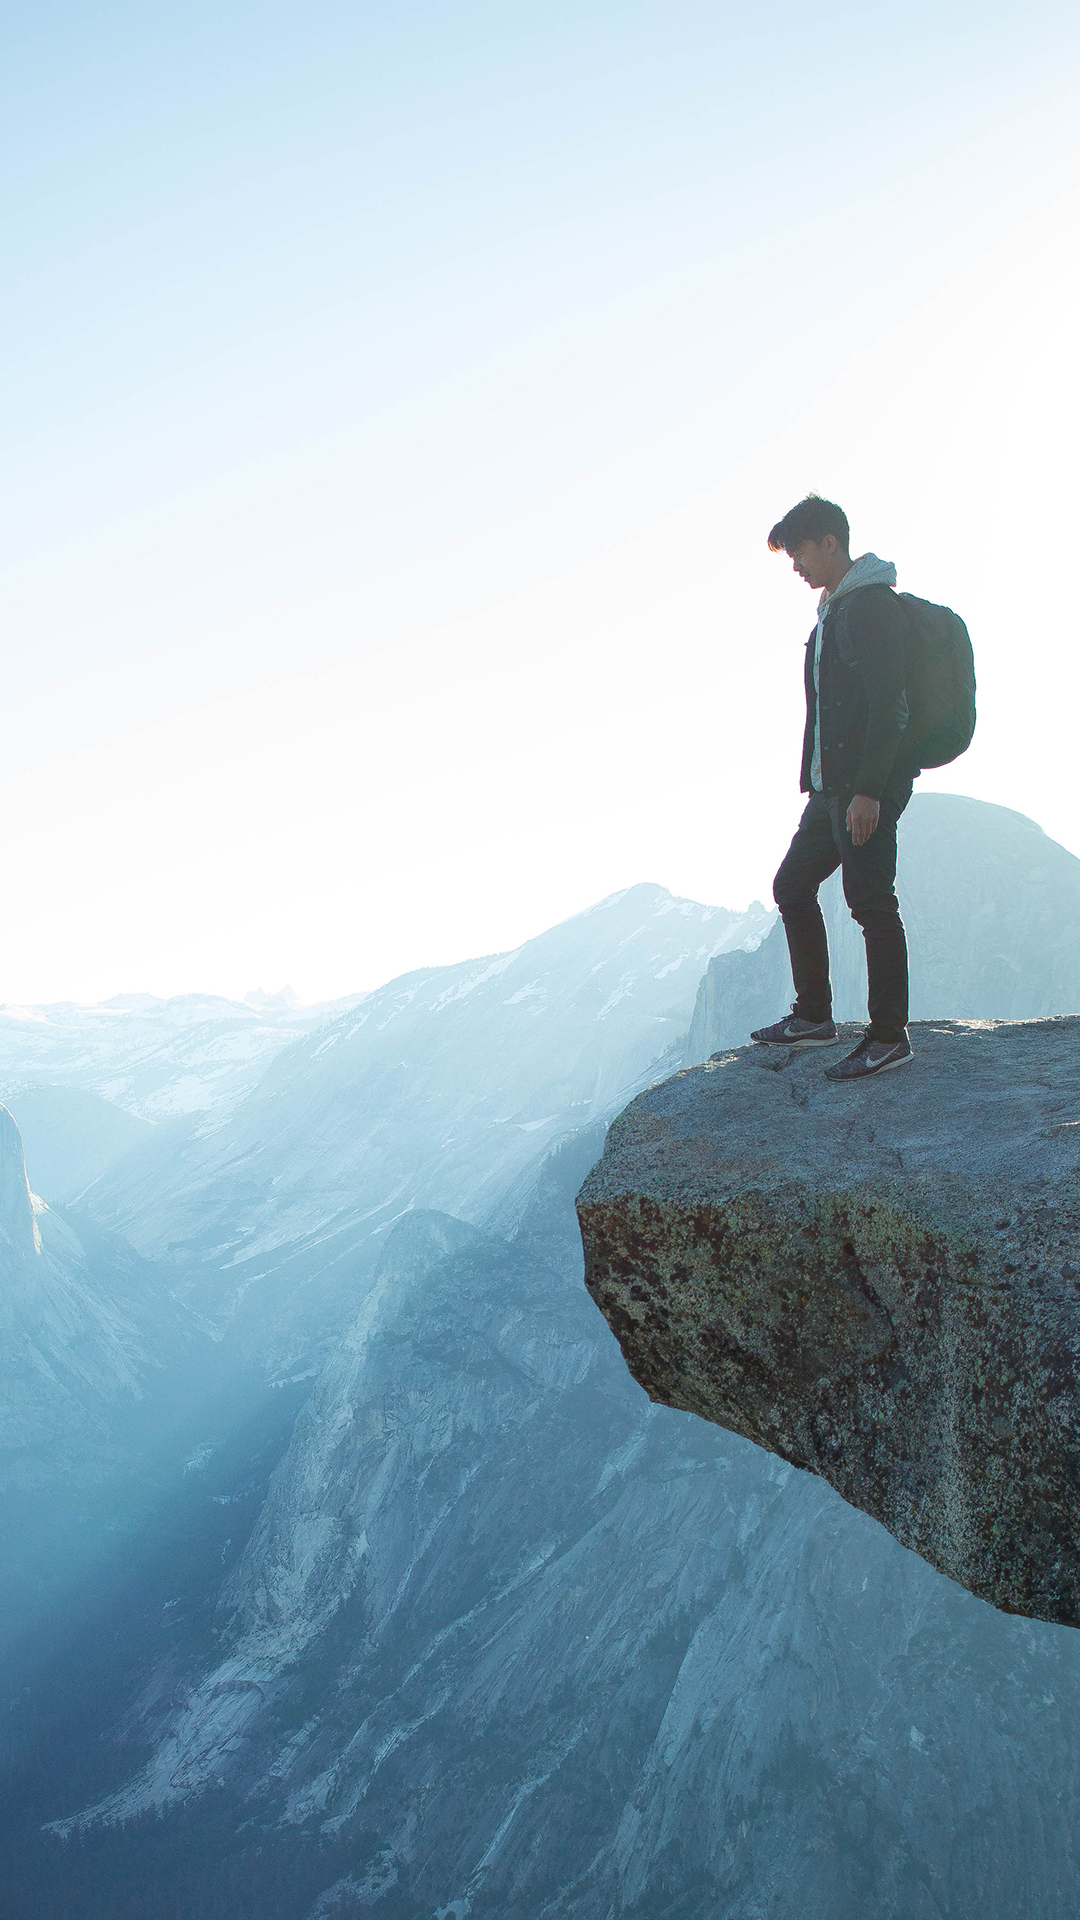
[{"x": 864, "y": 706}]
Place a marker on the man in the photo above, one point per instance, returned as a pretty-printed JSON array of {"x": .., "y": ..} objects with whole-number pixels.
[{"x": 858, "y": 780}]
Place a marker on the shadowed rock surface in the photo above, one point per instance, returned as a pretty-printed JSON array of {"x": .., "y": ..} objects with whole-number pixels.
[{"x": 878, "y": 1283}]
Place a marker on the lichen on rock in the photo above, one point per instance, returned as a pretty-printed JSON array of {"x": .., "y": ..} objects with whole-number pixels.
[{"x": 880, "y": 1282}]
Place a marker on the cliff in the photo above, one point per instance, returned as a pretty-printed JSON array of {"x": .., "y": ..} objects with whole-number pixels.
[
  {"x": 83, "y": 1327},
  {"x": 879, "y": 1283}
]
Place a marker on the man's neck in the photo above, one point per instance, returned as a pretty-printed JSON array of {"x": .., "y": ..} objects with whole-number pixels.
[{"x": 842, "y": 569}]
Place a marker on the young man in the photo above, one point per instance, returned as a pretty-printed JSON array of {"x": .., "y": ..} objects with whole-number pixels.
[{"x": 858, "y": 780}]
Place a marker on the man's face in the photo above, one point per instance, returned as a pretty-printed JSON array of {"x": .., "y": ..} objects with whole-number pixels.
[{"x": 814, "y": 561}]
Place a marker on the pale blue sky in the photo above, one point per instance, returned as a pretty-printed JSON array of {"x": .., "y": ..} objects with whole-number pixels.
[{"x": 332, "y": 325}]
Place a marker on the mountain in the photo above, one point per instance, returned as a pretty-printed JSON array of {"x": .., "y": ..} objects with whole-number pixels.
[
  {"x": 428, "y": 1611},
  {"x": 511, "y": 1643},
  {"x": 92, "y": 1350},
  {"x": 87, "y": 1083},
  {"x": 154, "y": 1058},
  {"x": 70, "y": 1136},
  {"x": 75, "y": 1342},
  {"x": 991, "y": 906},
  {"x": 442, "y": 1090}
]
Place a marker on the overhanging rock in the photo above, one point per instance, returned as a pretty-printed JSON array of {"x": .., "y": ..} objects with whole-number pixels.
[{"x": 879, "y": 1282}]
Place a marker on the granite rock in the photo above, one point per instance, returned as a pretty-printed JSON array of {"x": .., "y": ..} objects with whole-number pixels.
[{"x": 878, "y": 1282}]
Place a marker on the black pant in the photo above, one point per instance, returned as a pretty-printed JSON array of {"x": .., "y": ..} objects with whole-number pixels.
[{"x": 821, "y": 844}]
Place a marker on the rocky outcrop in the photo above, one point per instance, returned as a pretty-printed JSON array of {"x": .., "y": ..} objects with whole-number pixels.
[{"x": 880, "y": 1283}]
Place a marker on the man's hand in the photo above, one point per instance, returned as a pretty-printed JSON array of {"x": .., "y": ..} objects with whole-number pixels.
[{"x": 862, "y": 818}]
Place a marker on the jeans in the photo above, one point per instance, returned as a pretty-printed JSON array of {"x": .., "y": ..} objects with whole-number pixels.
[{"x": 821, "y": 844}]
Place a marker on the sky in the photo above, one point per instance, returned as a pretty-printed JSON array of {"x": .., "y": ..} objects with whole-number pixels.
[{"x": 398, "y": 399}]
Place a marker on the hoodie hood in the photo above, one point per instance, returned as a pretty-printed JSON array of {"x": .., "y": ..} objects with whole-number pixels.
[{"x": 867, "y": 571}]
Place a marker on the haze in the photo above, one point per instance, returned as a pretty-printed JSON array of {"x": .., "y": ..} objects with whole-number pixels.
[{"x": 399, "y": 399}]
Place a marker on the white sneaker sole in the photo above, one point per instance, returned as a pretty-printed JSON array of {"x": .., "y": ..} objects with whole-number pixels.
[{"x": 792, "y": 1044}]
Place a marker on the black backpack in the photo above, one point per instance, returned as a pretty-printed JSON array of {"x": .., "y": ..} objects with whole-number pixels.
[{"x": 940, "y": 682}]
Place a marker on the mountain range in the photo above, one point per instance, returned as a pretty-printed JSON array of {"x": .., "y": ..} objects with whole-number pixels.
[{"x": 385, "y": 1589}]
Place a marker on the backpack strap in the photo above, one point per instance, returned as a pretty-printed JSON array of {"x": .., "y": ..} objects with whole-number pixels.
[{"x": 844, "y": 644}]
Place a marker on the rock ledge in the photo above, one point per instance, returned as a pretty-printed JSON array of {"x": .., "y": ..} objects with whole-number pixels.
[{"x": 881, "y": 1283}]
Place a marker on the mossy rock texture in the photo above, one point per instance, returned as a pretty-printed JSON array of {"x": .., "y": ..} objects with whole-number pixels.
[{"x": 879, "y": 1282}]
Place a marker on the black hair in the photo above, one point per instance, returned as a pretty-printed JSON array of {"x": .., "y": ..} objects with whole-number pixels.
[{"x": 812, "y": 519}]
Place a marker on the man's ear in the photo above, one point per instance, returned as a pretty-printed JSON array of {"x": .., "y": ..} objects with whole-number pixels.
[{"x": 828, "y": 544}]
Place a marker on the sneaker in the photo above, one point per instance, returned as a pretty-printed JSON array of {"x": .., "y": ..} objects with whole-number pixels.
[
  {"x": 872, "y": 1056},
  {"x": 793, "y": 1032}
]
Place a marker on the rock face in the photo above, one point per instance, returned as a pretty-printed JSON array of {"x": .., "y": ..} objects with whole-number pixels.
[
  {"x": 880, "y": 1283},
  {"x": 82, "y": 1327}
]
